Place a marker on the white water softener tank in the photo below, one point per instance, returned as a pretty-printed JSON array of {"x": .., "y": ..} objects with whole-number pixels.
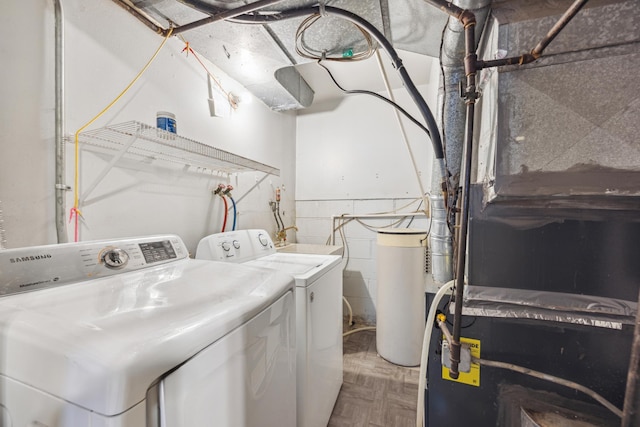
[{"x": 401, "y": 295}]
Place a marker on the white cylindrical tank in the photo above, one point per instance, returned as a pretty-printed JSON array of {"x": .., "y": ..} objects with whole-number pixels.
[{"x": 401, "y": 295}]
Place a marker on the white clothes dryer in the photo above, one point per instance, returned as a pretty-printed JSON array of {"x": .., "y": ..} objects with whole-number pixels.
[
  {"x": 133, "y": 333},
  {"x": 318, "y": 313}
]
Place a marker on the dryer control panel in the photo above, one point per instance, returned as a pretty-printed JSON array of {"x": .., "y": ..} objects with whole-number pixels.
[
  {"x": 236, "y": 246},
  {"x": 39, "y": 267}
]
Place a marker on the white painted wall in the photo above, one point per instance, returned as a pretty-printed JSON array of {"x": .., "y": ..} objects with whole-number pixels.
[
  {"x": 351, "y": 159},
  {"x": 105, "y": 49}
]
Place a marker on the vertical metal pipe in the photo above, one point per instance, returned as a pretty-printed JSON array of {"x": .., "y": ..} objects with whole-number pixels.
[
  {"x": 470, "y": 96},
  {"x": 3, "y": 240},
  {"x": 452, "y": 119},
  {"x": 60, "y": 183},
  {"x": 631, "y": 409}
]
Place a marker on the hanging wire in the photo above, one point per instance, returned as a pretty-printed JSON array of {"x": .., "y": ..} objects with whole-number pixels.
[
  {"x": 306, "y": 52},
  {"x": 376, "y": 95},
  {"x": 74, "y": 213},
  {"x": 230, "y": 98}
]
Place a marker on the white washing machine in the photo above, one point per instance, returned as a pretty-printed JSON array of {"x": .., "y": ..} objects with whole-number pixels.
[
  {"x": 318, "y": 312},
  {"x": 134, "y": 333}
]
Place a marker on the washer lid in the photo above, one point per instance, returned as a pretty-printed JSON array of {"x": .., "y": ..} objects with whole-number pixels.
[
  {"x": 305, "y": 268},
  {"x": 101, "y": 343}
]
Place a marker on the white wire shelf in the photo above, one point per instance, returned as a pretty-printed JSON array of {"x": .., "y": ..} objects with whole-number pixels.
[{"x": 150, "y": 143}]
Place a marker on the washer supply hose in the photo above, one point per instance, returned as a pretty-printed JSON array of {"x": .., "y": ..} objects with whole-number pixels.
[
  {"x": 235, "y": 214},
  {"x": 226, "y": 213},
  {"x": 426, "y": 342}
]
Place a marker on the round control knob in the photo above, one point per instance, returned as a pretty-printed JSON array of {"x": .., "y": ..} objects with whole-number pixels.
[
  {"x": 236, "y": 244},
  {"x": 115, "y": 258},
  {"x": 226, "y": 246},
  {"x": 263, "y": 239}
]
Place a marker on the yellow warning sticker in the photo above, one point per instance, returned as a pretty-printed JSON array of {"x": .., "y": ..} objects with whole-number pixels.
[{"x": 473, "y": 376}]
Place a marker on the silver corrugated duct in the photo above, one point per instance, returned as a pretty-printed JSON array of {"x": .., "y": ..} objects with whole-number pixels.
[
  {"x": 61, "y": 187},
  {"x": 440, "y": 241},
  {"x": 452, "y": 119}
]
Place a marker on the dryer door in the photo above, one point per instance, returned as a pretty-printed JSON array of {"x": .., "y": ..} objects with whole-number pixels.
[{"x": 245, "y": 379}]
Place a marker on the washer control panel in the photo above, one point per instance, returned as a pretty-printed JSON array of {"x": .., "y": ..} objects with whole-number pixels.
[
  {"x": 38, "y": 267},
  {"x": 235, "y": 246}
]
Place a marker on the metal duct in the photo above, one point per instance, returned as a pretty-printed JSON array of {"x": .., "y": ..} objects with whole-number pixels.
[
  {"x": 562, "y": 132},
  {"x": 452, "y": 119},
  {"x": 440, "y": 242}
]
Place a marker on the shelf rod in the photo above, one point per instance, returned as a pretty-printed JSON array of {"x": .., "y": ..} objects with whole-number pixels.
[
  {"x": 108, "y": 168},
  {"x": 252, "y": 188}
]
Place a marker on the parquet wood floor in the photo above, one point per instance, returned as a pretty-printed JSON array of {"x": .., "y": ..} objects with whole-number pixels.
[{"x": 375, "y": 393}]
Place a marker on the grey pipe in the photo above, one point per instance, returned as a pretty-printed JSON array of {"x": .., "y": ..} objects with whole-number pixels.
[
  {"x": 3, "y": 240},
  {"x": 60, "y": 186}
]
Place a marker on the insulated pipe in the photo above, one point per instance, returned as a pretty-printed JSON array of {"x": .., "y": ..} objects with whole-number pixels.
[
  {"x": 60, "y": 186},
  {"x": 382, "y": 41},
  {"x": 631, "y": 409}
]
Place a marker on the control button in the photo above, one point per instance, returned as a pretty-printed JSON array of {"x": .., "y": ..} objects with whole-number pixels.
[
  {"x": 263, "y": 239},
  {"x": 115, "y": 258},
  {"x": 236, "y": 244},
  {"x": 226, "y": 246}
]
